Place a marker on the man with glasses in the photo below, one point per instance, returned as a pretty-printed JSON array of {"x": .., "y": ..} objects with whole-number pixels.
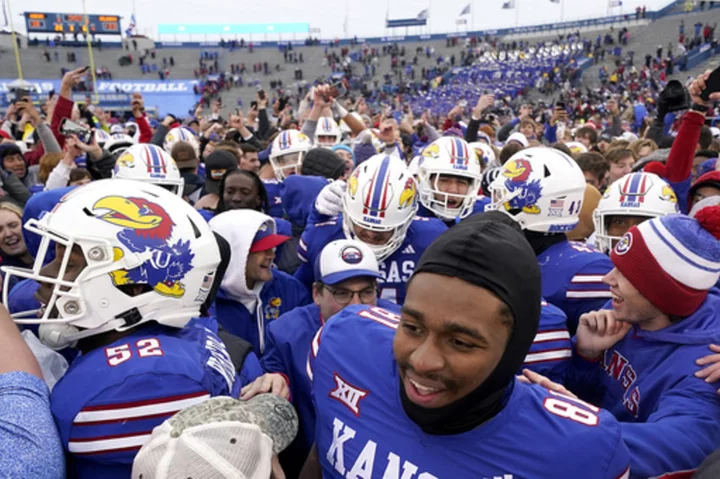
[{"x": 346, "y": 273}]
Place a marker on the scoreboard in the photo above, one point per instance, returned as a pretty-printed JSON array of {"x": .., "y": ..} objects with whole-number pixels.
[{"x": 42, "y": 22}]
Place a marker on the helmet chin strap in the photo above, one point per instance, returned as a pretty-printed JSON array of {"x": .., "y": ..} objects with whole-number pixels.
[{"x": 59, "y": 336}]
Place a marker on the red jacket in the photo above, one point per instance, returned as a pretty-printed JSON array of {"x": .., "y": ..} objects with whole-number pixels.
[
  {"x": 63, "y": 109},
  {"x": 679, "y": 163}
]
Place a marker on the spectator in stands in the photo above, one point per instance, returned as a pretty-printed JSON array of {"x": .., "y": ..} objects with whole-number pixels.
[
  {"x": 643, "y": 148},
  {"x": 79, "y": 177},
  {"x": 14, "y": 162},
  {"x": 216, "y": 165},
  {"x": 587, "y": 136},
  {"x": 13, "y": 250},
  {"x": 595, "y": 168},
  {"x": 249, "y": 160},
  {"x": 621, "y": 160}
]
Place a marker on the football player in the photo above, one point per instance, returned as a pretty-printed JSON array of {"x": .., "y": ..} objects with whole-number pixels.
[
  {"x": 286, "y": 156},
  {"x": 542, "y": 189},
  {"x": 149, "y": 164},
  {"x": 179, "y": 134},
  {"x": 449, "y": 176},
  {"x": 429, "y": 394},
  {"x": 327, "y": 132},
  {"x": 133, "y": 266},
  {"x": 377, "y": 206},
  {"x": 628, "y": 202}
]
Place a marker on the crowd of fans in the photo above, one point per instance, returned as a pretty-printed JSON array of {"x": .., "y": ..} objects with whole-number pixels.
[{"x": 430, "y": 272}]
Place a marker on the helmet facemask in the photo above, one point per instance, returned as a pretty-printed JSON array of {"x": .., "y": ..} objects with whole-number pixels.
[
  {"x": 287, "y": 165},
  {"x": 435, "y": 200}
]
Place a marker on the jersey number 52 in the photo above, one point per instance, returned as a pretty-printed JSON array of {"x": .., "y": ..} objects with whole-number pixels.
[{"x": 143, "y": 348}]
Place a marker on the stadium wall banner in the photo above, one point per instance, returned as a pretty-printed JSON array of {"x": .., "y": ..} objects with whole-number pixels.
[
  {"x": 43, "y": 87},
  {"x": 569, "y": 25}
]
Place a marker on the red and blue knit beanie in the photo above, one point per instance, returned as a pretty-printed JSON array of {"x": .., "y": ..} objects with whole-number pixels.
[{"x": 672, "y": 261}]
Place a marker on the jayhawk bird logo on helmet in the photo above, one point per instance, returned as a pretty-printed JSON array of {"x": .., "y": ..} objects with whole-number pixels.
[{"x": 146, "y": 228}]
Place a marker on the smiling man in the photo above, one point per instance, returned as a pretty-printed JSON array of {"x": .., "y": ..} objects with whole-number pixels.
[
  {"x": 448, "y": 180},
  {"x": 637, "y": 359},
  {"x": 432, "y": 393},
  {"x": 253, "y": 293}
]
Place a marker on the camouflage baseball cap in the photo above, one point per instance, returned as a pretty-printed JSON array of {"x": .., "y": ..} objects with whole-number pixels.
[
  {"x": 275, "y": 417},
  {"x": 220, "y": 438}
]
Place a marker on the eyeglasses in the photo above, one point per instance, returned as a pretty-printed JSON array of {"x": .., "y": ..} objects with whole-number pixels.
[{"x": 344, "y": 296}]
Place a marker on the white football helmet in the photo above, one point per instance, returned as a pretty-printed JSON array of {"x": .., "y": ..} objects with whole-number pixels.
[
  {"x": 149, "y": 164},
  {"x": 448, "y": 156},
  {"x": 540, "y": 188},
  {"x": 327, "y": 132},
  {"x": 101, "y": 137},
  {"x": 485, "y": 154},
  {"x": 636, "y": 194},
  {"x": 118, "y": 143},
  {"x": 381, "y": 195},
  {"x": 288, "y": 150},
  {"x": 181, "y": 133},
  {"x": 149, "y": 257}
]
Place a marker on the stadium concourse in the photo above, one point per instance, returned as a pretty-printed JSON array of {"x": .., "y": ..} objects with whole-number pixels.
[{"x": 488, "y": 255}]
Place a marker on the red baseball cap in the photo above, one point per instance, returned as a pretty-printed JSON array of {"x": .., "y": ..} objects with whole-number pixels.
[{"x": 265, "y": 239}]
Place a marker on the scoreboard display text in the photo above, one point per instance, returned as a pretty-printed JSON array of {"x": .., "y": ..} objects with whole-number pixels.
[{"x": 38, "y": 22}]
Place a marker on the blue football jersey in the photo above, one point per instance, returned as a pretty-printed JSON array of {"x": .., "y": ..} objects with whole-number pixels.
[
  {"x": 481, "y": 203},
  {"x": 111, "y": 398},
  {"x": 363, "y": 431},
  {"x": 572, "y": 275},
  {"x": 478, "y": 207},
  {"x": 278, "y": 296},
  {"x": 274, "y": 192},
  {"x": 396, "y": 269},
  {"x": 286, "y": 351},
  {"x": 551, "y": 349}
]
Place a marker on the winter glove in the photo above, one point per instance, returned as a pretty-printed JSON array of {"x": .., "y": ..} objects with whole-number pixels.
[{"x": 329, "y": 201}]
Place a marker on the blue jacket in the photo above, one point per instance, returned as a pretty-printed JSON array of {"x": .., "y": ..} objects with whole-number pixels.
[
  {"x": 670, "y": 419},
  {"x": 286, "y": 352},
  {"x": 279, "y": 295}
]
